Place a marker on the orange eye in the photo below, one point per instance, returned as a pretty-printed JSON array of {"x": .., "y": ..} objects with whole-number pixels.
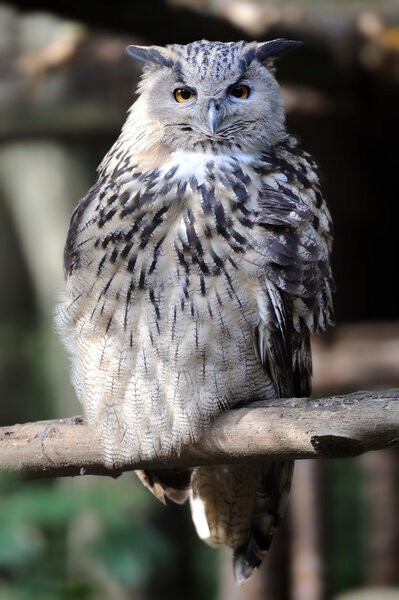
[
  {"x": 183, "y": 94},
  {"x": 239, "y": 91}
]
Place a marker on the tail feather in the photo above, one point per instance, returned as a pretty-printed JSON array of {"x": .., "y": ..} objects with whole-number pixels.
[
  {"x": 271, "y": 498},
  {"x": 241, "y": 506},
  {"x": 248, "y": 558}
]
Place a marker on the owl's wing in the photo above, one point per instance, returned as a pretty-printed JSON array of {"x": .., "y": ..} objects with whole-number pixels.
[
  {"x": 242, "y": 506},
  {"x": 297, "y": 294},
  {"x": 296, "y": 301}
]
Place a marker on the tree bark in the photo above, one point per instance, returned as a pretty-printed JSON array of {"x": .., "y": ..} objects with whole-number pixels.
[{"x": 286, "y": 428}]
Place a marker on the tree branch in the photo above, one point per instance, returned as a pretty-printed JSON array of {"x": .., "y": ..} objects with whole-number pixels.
[
  {"x": 154, "y": 20},
  {"x": 333, "y": 427}
]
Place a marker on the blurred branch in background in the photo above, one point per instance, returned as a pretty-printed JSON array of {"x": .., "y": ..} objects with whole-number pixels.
[
  {"x": 356, "y": 355},
  {"x": 306, "y": 521},
  {"x": 156, "y": 21}
]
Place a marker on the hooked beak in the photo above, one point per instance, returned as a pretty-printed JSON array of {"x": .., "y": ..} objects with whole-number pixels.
[{"x": 214, "y": 115}]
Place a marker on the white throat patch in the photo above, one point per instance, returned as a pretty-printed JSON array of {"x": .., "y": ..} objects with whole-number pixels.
[{"x": 194, "y": 164}]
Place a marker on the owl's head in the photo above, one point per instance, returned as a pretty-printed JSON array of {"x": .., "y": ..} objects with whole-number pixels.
[{"x": 211, "y": 94}]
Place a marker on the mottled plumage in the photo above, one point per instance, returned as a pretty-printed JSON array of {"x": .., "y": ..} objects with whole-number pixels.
[{"x": 196, "y": 267}]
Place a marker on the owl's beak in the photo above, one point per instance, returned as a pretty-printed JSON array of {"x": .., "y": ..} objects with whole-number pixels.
[{"x": 214, "y": 115}]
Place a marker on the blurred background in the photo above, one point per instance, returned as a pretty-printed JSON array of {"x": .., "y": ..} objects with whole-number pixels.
[{"x": 65, "y": 86}]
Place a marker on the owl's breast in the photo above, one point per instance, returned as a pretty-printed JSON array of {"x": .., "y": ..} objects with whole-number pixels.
[
  {"x": 167, "y": 272},
  {"x": 171, "y": 265}
]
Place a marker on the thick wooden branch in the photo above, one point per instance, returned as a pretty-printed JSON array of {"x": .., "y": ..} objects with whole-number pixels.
[{"x": 295, "y": 428}]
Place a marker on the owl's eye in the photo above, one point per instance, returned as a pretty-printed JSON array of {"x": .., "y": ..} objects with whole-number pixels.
[
  {"x": 239, "y": 91},
  {"x": 183, "y": 94}
]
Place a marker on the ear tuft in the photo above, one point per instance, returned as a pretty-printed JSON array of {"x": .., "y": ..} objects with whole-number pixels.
[
  {"x": 268, "y": 51},
  {"x": 155, "y": 55}
]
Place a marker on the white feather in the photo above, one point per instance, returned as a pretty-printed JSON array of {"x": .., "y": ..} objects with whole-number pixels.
[
  {"x": 199, "y": 517},
  {"x": 194, "y": 163}
]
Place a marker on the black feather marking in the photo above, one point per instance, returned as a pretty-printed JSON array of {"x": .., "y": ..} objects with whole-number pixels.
[
  {"x": 165, "y": 189},
  {"x": 186, "y": 286},
  {"x": 177, "y": 71},
  {"x": 126, "y": 250},
  {"x": 145, "y": 360},
  {"x": 155, "y": 304},
  {"x": 132, "y": 263},
  {"x": 174, "y": 322},
  {"x": 123, "y": 198},
  {"x": 107, "y": 285},
  {"x": 208, "y": 232},
  {"x": 182, "y": 259},
  {"x": 170, "y": 173},
  {"x": 101, "y": 264},
  {"x": 112, "y": 199},
  {"x": 142, "y": 278},
  {"x": 216, "y": 259},
  {"x": 202, "y": 285},
  {"x": 150, "y": 228},
  {"x": 105, "y": 217},
  {"x": 71, "y": 253},
  {"x": 208, "y": 198},
  {"x": 319, "y": 199},
  {"x": 239, "y": 174},
  {"x": 127, "y": 304},
  {"x": 202, "y": 265},
  {"x": 181, "y": 188},
  {"x": 193, "y": 238},
  {"x": 238, "y": 237},
  {"x": 242, "y": 208},
  {"x": 203, "y": 365},
  {"x": 220, "y": 220},
  {"x": 104, "y": 242},
  {"x": 240, "y": 192},
  {"x": 193, "y": 182},
  {"x": 232, "y": 261},
  {"x": 246, "y": 59},
  {"x": 157, "y": 250},
  {"x": 108, "y": 324},
  {"x": 229, "y": 281},
  {"x": 145, "y": 198},
  {"x": 246, "y": 222}
]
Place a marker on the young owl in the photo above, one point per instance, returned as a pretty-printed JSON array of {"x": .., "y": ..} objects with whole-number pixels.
[{"x": 196, "y": 267}]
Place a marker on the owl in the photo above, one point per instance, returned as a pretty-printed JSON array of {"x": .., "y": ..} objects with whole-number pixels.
[{"x": 196, "y": 268}]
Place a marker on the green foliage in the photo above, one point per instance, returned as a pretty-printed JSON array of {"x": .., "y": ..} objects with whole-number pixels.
[
  {"x": 41, "y": 557},
  {"x": 345, "y": 525},
  {"x": 207, "y": 571}
]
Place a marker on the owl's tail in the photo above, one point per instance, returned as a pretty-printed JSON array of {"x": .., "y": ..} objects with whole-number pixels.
[{"x": 241, "y": 506}]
